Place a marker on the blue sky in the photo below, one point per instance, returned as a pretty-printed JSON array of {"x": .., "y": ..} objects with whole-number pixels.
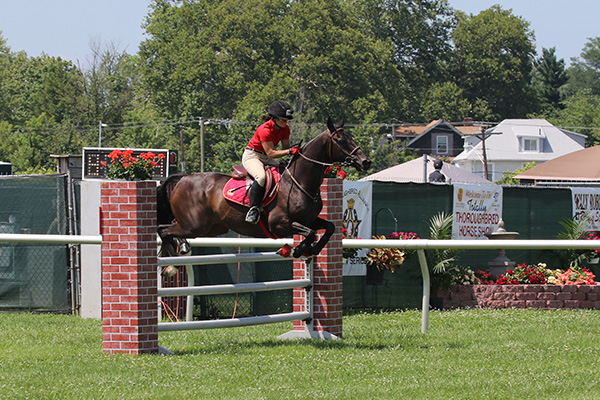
[{"x": 65, "y": 28}]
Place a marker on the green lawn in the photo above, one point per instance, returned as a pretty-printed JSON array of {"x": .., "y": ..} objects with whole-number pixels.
[{"x": 472, "y": 354}]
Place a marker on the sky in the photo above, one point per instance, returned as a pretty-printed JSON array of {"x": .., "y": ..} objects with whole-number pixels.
[{"x": 66, "y": 28}]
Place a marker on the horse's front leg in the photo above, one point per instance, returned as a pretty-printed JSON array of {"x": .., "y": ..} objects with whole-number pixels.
[
  {"x": 329, "y": 230},
  {"x": 305, "y": 247}
]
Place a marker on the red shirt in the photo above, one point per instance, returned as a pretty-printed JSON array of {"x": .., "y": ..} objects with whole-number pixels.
[{"x": 268, "y": 132}]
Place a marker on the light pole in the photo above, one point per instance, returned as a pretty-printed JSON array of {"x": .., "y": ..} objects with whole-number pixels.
[{"x": 100, "y": 125}]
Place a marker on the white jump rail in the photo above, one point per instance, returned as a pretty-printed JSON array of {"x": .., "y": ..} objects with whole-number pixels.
[
  {"x": 420, "y": 245},
  {"x": 213, "y": 259}
]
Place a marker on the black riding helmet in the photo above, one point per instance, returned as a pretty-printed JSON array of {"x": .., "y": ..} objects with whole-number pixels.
[
  {"x": 437, "y": 164},
  {"x": 280, "y": 109}
]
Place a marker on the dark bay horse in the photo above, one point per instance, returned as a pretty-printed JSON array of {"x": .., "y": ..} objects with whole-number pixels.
[{"x": 196, "y": 206}]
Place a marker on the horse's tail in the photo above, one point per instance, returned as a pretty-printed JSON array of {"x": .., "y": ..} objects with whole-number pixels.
[{"x": 163, "y": 193}]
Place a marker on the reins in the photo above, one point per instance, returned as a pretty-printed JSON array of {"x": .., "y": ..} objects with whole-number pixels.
[{"x": 347, "y": 161}]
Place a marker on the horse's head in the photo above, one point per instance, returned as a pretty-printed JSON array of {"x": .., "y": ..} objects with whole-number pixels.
[{"x": 344, "y": 149}]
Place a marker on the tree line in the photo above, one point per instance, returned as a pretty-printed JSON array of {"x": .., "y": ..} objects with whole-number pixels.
[{"x": 375, "y": 63}]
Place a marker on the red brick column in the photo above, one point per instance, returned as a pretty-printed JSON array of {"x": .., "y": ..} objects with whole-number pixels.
[
  {"x": 327, "y": 279},
  {"x": 129, "y": 277}
]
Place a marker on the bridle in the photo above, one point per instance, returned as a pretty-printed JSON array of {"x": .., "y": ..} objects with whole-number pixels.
[
  {"x": 348, "y": 154},
  {"x": 347, "y": 162}
]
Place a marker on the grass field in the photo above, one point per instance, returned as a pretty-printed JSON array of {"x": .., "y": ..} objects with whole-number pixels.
[{"x": 471, "y": 354}]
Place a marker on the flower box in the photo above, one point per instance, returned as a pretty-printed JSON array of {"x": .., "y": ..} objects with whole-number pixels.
[{"x": 522, "y": 296}]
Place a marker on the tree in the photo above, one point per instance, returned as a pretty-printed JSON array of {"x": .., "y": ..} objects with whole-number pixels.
[
  {"x": 550, "y": 76},
  {"x": 445, "y": 101},
  {"x": 584, "y": 72},
  {"x": 493, "y": 61},
  {"x": 233, "y": 58},
  {"x": 508, "y": 176},
  {"x": 582, "y": 110},
  {"x": 418, "y": 32}
]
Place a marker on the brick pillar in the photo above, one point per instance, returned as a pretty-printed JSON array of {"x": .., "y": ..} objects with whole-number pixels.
[
  {"x": 327, "y": 279},
  {"x": 129, "y": 277}
]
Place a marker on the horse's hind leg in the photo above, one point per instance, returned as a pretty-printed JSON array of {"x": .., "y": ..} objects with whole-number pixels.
[{"x": 168, "y": 245}]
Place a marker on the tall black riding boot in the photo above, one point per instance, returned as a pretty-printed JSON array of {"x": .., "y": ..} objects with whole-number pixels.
[{"x": 256, "y": 196}]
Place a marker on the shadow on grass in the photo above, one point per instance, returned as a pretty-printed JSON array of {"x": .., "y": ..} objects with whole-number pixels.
[{"x": 383, "y": 334}]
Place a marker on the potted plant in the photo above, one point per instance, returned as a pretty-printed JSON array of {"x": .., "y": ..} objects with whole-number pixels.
[
  {"x": 574, "y": 230},
  {"x": 379, "y": 260},
  {"x": 123, "y": 165},
  {"x": 441, "y": 261}
]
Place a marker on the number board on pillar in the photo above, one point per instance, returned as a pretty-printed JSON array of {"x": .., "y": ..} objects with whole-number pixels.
[{"x": 96, "y": 162}]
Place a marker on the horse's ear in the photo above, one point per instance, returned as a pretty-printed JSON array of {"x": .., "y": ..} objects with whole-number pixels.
[
  {"x": 330, "y": 125},
  {"x": 341, "y": 125}
]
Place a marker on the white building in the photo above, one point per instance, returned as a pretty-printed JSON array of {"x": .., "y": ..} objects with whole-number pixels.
[{"x": 515, "y": 142}]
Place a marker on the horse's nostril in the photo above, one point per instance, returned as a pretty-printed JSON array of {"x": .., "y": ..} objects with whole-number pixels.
[{"x": 367, "y": 164}]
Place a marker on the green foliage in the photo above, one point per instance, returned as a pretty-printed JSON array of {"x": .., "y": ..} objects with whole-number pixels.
[
  {"x": 584, "y": 72},
  {"x": 367, "y": 61},
  {"x": 441, "y": 261},
  {"x": 445, "y": 101},
  {"x": 582, "y": 110},
  {"x": 494, "y": 54},
  {"x": 573, "y": 230},
  {"x": 507, "y": 178},
  {"x": 550, "y": 77}
]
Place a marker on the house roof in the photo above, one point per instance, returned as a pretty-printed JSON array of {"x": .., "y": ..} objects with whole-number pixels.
[
  {"x": 580, "y": 166},
  {"x": 413, "y": 171},
  {"x": 505, "y": 145},
  {"x": 416, "y": 130}
]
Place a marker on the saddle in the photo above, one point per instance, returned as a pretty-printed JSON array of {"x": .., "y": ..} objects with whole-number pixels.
[{"x": 236, "y": 189}]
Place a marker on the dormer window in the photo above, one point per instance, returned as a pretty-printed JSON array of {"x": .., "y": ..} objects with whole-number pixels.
[
  {"x": 529, "y": 144},
  {"x": 530, "y": 140}
]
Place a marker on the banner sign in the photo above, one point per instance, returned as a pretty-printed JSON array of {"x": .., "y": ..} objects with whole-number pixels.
[
  {"x": 586, "y": 206},
  {"x": 357, "y": 221},
  {"x": 477, "y": 210}
]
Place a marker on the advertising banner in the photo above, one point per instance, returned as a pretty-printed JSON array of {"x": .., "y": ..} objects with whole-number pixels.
[
  {"x": 586, "y": 206},
  {"x": 477, "y": 209},
  {"x": 357, "y": 221}
]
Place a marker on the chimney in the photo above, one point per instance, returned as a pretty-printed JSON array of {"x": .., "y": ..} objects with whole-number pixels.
[{"x": 468, "y": 121}]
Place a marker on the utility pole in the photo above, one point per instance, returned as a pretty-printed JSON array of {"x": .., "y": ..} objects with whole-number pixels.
[
  {"x": 181, "y": 150},
  {"x": 485, "y": 167},
  {"x": 482, "y": 136},
  {"x": 201, "y": 145}
]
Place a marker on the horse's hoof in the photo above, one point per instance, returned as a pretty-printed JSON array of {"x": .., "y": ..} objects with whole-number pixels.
[
  {"x": 184, "y": 249},
  {"x": 169, "y": 271}
]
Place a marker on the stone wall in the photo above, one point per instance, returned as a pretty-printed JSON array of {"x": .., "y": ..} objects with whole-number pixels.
[{"x": 523, "y": 296}]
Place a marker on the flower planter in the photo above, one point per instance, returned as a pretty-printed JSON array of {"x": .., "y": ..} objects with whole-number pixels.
[{"x": 523, "y": 296}]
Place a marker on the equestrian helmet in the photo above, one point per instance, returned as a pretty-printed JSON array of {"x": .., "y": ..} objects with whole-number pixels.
[
  {"x": 437, "y": 164},
  {"x": 281, "y": 109}
]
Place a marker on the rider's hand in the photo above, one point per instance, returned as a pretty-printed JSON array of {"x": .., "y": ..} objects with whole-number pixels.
[{"x": 294, "y": 150}]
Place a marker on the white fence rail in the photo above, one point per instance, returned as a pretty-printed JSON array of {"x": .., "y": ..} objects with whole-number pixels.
[{"x": 420, "y": 245}]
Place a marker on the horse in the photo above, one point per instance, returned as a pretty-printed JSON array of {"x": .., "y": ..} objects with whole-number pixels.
[{"x": 196, "y": 206}]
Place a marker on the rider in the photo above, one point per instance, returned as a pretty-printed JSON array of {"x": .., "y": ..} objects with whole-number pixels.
[{"x": 261, "y": 151}]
